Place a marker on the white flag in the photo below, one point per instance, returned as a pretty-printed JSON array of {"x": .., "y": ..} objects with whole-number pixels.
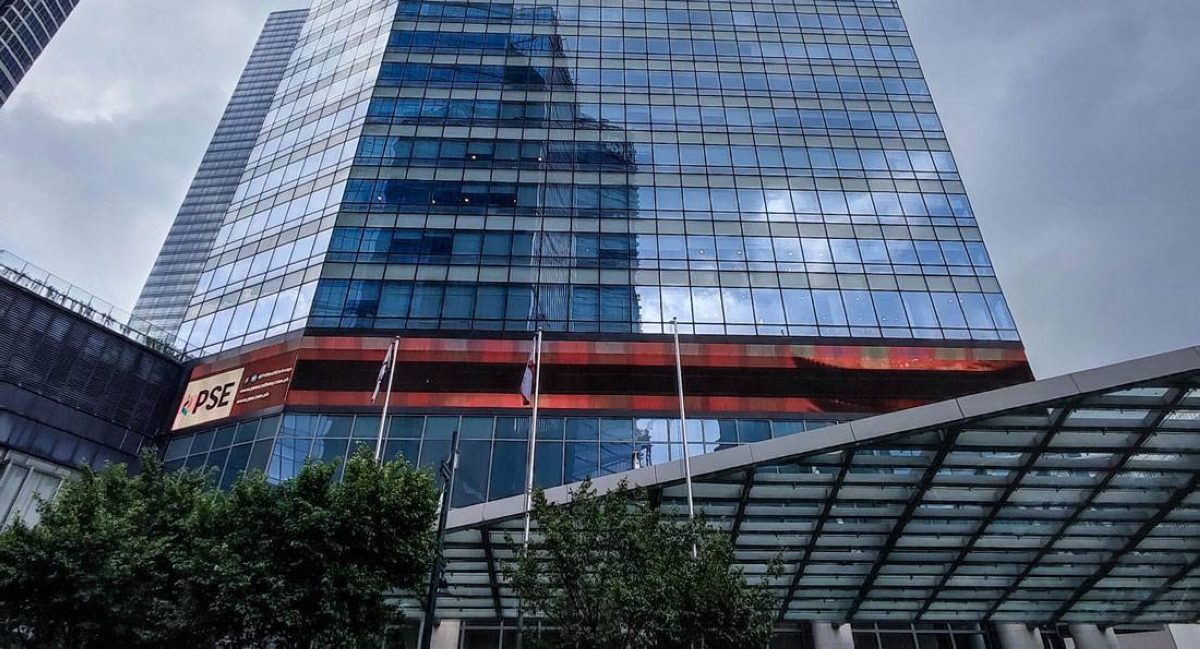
[
  {"x": 383, "y": 370},
  {"x": 527, "y": 380}
]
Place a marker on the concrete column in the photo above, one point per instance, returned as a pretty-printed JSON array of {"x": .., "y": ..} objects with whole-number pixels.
[
  {"x": 1018, "y": 636},
  {"x": 1185, "y": 635},
  {"x": 828, "y": 636},
  {"x": 446, "y": 634},
  {"x": 1110, "y": 634},
  {"x": 1089, "y": 636}
]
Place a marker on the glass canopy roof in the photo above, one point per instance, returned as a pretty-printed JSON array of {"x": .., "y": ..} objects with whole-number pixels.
[{"x": 1071, "y": 500}]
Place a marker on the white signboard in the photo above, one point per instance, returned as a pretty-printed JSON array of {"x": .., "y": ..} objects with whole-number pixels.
[{"x": 209, "y": 399}]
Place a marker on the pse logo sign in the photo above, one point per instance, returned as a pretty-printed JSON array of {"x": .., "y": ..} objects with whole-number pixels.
[{"x": 209, "y": 399}]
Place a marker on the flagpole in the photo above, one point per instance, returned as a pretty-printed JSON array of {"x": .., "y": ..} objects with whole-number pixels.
[
  {"x": 448, "y": 471},
  {"x": 529, "y": 460},
  {"x": 393, "y": 352},
  {"x": 533, "y": 420},
  {"x": 687, "y": 456}
]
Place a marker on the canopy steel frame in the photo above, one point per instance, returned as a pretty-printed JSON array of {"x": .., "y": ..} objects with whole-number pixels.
[
  {"x": 1013, "y": 485},
  {"x": 1147, "y": 527},
  {"x": 489, "y": 554},
  {"x": 902, "y": 522},
  {"x": 811, "y": 546},
  {"x": 1029, "y": 497},
  {"x": 1083, "y": 507}
]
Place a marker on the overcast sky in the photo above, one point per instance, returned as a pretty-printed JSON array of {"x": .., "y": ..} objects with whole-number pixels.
[{"x": 1075, "y": 123}]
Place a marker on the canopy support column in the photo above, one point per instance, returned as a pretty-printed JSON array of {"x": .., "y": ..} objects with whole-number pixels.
[
  {"x": 1018, "y": 636},
  {"x": 446, "y": 634},
  {"x": 1090, "y": 636},
  {"x": 828, "y": 636}
]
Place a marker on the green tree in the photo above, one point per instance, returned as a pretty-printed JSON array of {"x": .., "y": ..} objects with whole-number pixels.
[
  {"x": 608, "y": 571},
  {"x": 159, "y": 559},
  {"x": 105, "y": 564},
  {"x": 306, "y": 563}
]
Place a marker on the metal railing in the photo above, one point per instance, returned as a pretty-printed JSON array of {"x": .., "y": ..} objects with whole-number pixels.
[{"x": 65, "y": 294}]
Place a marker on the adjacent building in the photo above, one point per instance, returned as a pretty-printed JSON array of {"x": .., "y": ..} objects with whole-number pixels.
[
  {"x": 81, "y": 384},
  {"x": 26, "y": 27},
  {"x": 180, "y": 262}
]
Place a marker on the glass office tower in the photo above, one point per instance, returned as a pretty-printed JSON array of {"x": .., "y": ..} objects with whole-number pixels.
[
  {"x": 767, "y": 171},
  {"x": 164, "y": 299},
  {"x": 773, "y": 176},
  {"x": 26, "y": 27}
]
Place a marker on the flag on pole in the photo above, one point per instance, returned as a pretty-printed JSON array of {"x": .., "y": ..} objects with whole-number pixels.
[
  {"x": 527, "y": 380},
  {"x": 383, "y": 370}
]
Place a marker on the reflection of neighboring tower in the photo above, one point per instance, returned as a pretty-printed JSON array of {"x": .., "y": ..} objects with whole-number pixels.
[
  {"x": 602, "y": 297},
  {"x": 642, "y": 448},
  {"x": 567, "y": 301},
  {"x": 553, "y": 250},
  {"x": 727, "y": 435},
  {"x": 567, "y": 265}
]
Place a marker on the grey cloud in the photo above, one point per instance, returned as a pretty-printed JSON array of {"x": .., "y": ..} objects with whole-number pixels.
[
  {"x": 1075, "y": 128},
  {"x": 98, "y": 144}
]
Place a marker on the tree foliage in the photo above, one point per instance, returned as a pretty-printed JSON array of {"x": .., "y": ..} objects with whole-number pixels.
[
  {"x": 164, "y": 559},
  {"x": 608, "y": 571}
]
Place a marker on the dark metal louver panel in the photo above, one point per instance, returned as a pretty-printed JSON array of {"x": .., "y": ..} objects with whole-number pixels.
[{"x": 80, "y": 365}]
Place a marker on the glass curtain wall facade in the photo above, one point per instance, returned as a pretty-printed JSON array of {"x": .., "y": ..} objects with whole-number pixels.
[
  {"x": 26, "y": 27},
  {"x": 761, "y": 169},
  {"x": 772, "y": 175},
  {"x": 493, "y": 449},
  {"x": 262, "y": 271},
  {"x": 752, "y": 169},
  {"x": 757, "y": 170},
  {"x": 168, "y": 290}
]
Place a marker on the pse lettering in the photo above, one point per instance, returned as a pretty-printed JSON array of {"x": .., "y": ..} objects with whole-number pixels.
[
  {"x": 209, "y": 399},
  {"x": 217, "y": 397}
]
